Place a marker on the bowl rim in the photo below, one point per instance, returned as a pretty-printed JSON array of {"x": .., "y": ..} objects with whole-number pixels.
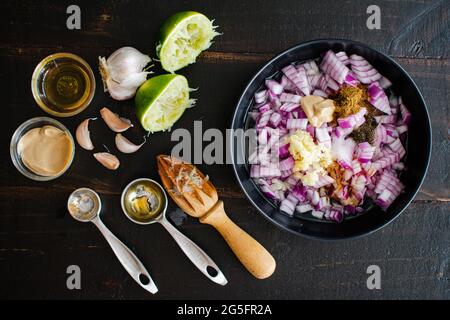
[{"x": 230, "y": 141}]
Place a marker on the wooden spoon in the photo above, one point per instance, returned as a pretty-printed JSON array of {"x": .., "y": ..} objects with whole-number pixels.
[{"x": 197, "y": 196}]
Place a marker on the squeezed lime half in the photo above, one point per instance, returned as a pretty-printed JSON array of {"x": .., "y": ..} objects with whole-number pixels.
[
  {"x": 161, "y": 101},
  {"x": 183, "y": 37}
]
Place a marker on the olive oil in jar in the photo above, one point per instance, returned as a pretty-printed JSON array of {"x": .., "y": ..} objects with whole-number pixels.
[{"x": 63, "y": 84}]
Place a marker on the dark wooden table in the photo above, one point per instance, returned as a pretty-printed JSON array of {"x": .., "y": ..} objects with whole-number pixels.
[{"x": 39, "y": 240}]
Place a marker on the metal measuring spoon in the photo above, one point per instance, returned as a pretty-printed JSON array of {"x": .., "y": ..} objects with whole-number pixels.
[
  {"x": 84, "y": 205},
  {"x": 144, "y": 201}
]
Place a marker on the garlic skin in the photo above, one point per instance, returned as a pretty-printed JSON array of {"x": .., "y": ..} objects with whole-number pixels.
[
  {"x": 126, "y": 146},
  {"x": 114, "y": 122},
  {"x": 83, "y": 135},
  {"x": 122, "y": 73},
  {"x": 108, "y": 160}
]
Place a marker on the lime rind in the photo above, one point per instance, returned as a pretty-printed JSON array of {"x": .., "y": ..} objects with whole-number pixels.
[
  {"x": 161, "y": 101},
  {"x": 183, "y": 37}
]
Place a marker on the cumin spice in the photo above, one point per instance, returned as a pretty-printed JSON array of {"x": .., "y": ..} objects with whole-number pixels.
[{"x": 349, "y": 100}]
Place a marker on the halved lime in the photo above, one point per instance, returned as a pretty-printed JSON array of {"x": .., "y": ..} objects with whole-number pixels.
[
  {"x": 161, "y": 100},
  {"x": 183, "y": 37}
]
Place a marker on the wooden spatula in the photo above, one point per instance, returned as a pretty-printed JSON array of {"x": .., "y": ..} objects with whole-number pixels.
[{"x": 196, "y": 195}]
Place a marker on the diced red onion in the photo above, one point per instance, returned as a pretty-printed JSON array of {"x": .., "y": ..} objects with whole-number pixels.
[
  {"x": 351, "y": 80},
  {"x": 397, "y": 147},
  {"x": 343, "y": 57},
  {"x": 288, "y": 107},
  {"x": 274, "y": 87},
  {"x": 302, "y": 208},
  {"x": 364, "y": 152},
  {"x": 297, "y": 124},
  {"x": 332, "y": 66},
  {"x": 323, "y": 136},
  {"x": 317, "y": 214},
  {"x": 287, "y": 206},
  {"x": 406, "y": 115},
  {"x": 320, "y": 93},
  {"x": 402, "y": 129},
  {"x": 385, "y": 83},
  {"x": 378, "y": 98},
  {"x": 261, "y": 96},
  {"x": 289, "y": 97},
  {"x": 311, "y": 68},
  {"x": 298, "y": 77},
  {"x": 275, "y": 119},
  {"x": 283, "y": 151},
  {"x": 287, "y": 164},
  {"x": 324, "y": 180},
  {"x": 265, "y": 108}
]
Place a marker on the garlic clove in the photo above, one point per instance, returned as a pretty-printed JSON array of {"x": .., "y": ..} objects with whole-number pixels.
[
  {"x": 108, "y": 160},
  {"x": 126, "y": 146},
  {"x": 114, "y": 122},
  {"x": 83, "y": 135}
]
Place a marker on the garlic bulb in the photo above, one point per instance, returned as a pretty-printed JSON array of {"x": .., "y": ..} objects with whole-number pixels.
[
  {"x": 122, "y": 73},
  {"x": 126, "y": 146},
  {"x": 108, "y": 160},
  {"x": 83, "y": 136},
  {"x": 114, "y": 122}
]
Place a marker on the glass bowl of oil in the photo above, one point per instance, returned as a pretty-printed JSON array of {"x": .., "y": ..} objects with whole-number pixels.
[{"x": 63, "y": 84}]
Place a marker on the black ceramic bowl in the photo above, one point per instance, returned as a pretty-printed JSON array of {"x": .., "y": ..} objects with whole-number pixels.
[{"x": 418, "y": 143}]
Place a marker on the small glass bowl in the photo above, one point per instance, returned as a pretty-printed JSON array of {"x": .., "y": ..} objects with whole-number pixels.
[
  {"x": 39, "y": 76},
  {"x": 24, "y": 128}
]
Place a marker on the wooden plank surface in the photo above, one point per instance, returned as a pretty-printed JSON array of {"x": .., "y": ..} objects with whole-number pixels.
[
  {"x": 38, "y": 240},
  {"x": 409, "y": 28}
]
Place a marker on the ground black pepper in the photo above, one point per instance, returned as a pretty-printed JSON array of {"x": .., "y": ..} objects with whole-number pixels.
[{"x": 366, "y": 132}]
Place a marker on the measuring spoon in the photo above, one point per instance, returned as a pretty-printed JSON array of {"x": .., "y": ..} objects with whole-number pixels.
[
  {"x": 157, "y": 214},
  {"x": 85, "y": 205}
]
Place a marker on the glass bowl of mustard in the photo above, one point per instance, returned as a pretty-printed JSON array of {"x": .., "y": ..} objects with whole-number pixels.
[
  {"x": 63, "y": 84},
  {"x": 42, "y": 149}
]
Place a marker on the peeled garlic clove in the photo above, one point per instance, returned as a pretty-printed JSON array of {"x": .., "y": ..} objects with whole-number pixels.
[
  {"x": 126, "y": 146},
  {"x": 108, "y": 160},
  {"x": 83, "y": 136},
  {"x": 114, "y": 122}
]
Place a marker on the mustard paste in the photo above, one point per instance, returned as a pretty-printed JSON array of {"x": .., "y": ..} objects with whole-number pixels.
[{"x": 46, "y": 151}]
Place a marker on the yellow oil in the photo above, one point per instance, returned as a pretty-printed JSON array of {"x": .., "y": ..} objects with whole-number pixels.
[
  {"x": 144, "y": 201},
  {"x": 65, "y": 86}
]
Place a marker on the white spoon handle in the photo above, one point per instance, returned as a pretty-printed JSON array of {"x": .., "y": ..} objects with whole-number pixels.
[
  {"x": 198, "y": 257},
  {"x": 127, "y": 258}
]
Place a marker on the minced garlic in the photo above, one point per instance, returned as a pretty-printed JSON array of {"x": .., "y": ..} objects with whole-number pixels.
[{"x": 311, "y": 159}]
